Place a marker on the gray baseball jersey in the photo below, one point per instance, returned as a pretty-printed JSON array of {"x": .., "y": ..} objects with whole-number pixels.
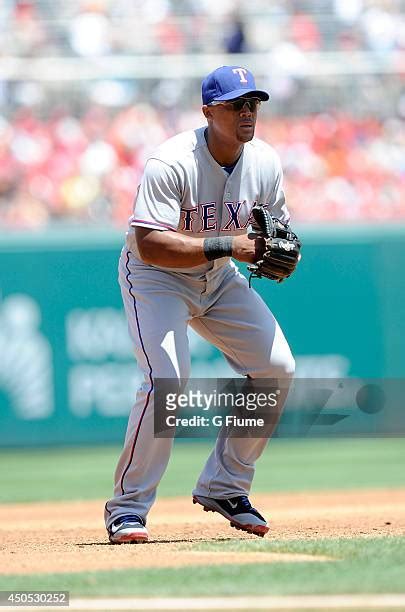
[{"x": 184, "y": 189}]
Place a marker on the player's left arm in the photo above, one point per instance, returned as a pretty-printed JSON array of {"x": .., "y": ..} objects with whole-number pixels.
[
  {"x": 277, "y": 203},
  {"x": 282, "y": 251}
]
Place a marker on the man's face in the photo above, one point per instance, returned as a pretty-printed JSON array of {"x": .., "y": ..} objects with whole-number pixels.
[{"x": 233, "y": 121}]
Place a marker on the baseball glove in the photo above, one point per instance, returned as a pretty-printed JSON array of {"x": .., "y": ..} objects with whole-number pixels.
[{"x": 282, "y": 252}]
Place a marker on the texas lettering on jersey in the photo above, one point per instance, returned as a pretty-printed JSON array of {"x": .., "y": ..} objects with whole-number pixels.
[{"x": 204, "y": 218}]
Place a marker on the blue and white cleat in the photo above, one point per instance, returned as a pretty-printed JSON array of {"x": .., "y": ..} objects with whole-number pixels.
[
  {"x": 128, "y": 529},
  {"x": 238, "y": 511}
]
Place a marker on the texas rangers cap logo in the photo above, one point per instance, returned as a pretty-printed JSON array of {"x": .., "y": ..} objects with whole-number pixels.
[{"x": 242, "y": 72}]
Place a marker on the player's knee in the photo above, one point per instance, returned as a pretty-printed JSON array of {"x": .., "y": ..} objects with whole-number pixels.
[
  {"x": 173, "y": 365},
  {"x": 178, "y": 374},
  {"x": 282, "y": 367}
]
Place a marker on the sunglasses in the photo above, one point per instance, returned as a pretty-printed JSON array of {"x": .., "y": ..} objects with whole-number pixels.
[{"x": 238, "y": 104}]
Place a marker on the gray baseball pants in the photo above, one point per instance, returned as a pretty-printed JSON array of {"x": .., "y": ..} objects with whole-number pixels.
[{"x": 223, "y": 309}]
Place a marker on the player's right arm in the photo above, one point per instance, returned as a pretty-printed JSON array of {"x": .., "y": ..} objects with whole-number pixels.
[{"x": 170, "y": 249}]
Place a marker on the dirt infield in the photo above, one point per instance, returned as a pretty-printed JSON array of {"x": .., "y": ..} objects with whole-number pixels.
[{"x": 70, "y": 537}]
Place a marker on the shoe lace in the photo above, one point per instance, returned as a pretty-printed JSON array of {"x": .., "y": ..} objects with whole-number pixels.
[
  {"x": 243, "y": 501},
  {"x": 129, "y": 518},
  {"x": 247, "y": 506}
]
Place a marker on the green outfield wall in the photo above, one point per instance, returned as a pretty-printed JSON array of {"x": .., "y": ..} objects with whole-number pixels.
[{"x": 67, "y": 373}]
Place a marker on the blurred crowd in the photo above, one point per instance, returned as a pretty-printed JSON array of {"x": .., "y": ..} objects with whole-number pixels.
[
  {"x": 74, "y": 152},
  {"x": 88, "y": 28},
  {"x": 85, "y": 169}
]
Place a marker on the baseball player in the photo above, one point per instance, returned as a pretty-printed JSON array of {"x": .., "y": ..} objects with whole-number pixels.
[{"x": 191, "y": 215}]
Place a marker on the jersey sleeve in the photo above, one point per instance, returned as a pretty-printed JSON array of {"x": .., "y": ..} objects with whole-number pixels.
[
  {"x": 278, "y": 207},
  {"x": 158, "y": 201}
]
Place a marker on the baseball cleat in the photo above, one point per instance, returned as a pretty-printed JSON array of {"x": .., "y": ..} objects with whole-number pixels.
[
  {"x": 128, "y": 529},
  {"x": 238, "y": 511}
]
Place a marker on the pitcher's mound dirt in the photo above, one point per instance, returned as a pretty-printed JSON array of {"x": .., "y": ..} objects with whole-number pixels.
[{"x": 70, "y": 536}]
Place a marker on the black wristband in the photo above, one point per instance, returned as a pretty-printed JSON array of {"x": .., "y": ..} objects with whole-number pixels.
[{"x": 215, "y": 248}]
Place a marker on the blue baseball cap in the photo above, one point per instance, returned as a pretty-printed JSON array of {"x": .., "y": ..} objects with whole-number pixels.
[{"x": 228, "y": 83}]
